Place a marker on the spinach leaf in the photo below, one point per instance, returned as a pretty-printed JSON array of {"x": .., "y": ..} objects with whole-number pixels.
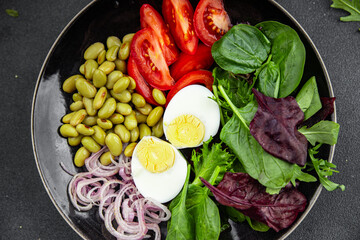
[
  {"x": 181, "y": 225},
  {"x": 351, "y": 6},
  {"x": 210, "y": 158},
  {"x": 256, "y": 225},
  {"x": 237, "y": 216},
  {"x": 323, "y": 169},
  {"x": 269, "y": 80},
  {"x": 241, "y": 50},
  {"x": 288, "y": 52},
  {"x": 308, "y": 98},
  {"x": 322, "y": 132}
]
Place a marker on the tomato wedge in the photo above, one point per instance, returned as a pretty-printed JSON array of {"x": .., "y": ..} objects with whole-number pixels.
[
  {"x": 141, "y": 86},
  {"x": 179, "y": 15},
  {"x": 211, "y": 21},
  {"x": 149, "y": 17},
  {"x": 146, "y": 52},
  {"x": 196, "y": 77},
  {"x": 187, "y": 63}
]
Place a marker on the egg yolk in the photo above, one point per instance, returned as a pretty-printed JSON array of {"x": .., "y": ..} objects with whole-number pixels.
[
  {"x": 185, "y": 131},
  {"x": 155, "y": 156}
]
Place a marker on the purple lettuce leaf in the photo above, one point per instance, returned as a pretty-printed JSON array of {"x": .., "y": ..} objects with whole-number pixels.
[
  {"x": 247, "y": 195},
  {"x": 274, "y": 126},
  {"x": 326, "y": 110}
]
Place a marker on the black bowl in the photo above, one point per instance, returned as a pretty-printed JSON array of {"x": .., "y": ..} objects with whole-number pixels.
[{"x": 96, "y": 22}]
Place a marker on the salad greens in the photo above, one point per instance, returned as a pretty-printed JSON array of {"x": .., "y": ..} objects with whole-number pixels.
[
  {"x": 12, "y": 12},
  {"x": 268, "y": 58},
  {"x": 351, "y": 6}
]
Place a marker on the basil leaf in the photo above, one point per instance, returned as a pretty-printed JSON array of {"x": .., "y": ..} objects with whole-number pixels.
[
  {"x": 288, "y": 52},
  {"x": 241, "y": 50},
  {"x": 322, "y": 132},
  {"x": 308, "y": 98}
]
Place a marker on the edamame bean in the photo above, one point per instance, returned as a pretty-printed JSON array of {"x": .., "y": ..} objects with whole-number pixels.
[
  {"x": 123, "y": 97},
  {"x": 124, "y": 51},
  {"x": 84, "y": 130},
  {"x": 144, "y": 130},
  {"x": 158, "y": 130},
  {"x": 69, "y": 84},
  {"x": 66, "y": 118},
  {"x": 107, "y": 67},
  {"x": 75, "y": 141},
  {"x": 78, "y": 117},
  {"x": 120, "y": 65},
  {"x": 159, "y": 96},
  {"x": 113, "y": 78},
  {"x": 138, "y": 100},
  {"x": 154, "y": 116},
  {"x": 75, "y": 106},
  {"x": 116, "y": 118},
  {"x": 128, "y": 152},
  {"x": 113, "y": 142},
  {"x": 121, "y": 84},
  {"x": 88, "y": 103},
  {"x": 112, "y": 53},
  {"x": 145, "y": 110},
  {"x": 113, "y": 41},
  {"x": 122, "y": 132},
  {"x": 85, "y": 88},
  {"x": 82, "y": 69},
  {"x": 100, "y": 98},
  {"x": 128, "y": 37},
  {"x": 93, "y": 50},
  {"x": 80, "y": 156},
  {"x": 90, "y": 120},
  {"x": 130, "y": 121},
  {"x": 99, "y": 135},
  {"x": 134, "y": 134},
  {"x": 89, "y": 68},
  {"x": 67, "y": 130},
  {"x": 77, "y": 97},
  {"x": 102, "y": 56},
  {"x": 140, "y": 118},
  {"x": 132, "y": 84},
  {"x": 104, "y": 123},
  {"x": 107, "y": 109},
  {"x": 99, "y": 78},
  {"x": 105, "y": 158},
  {"x": 123, "y": 108},
  {"x": 90, "y": 144}
]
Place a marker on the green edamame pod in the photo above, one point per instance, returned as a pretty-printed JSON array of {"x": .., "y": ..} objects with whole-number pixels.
[
  {"x": 122, "y": 132},
  {"x": 69, "y": 84},
  {"x": 85, "y": 88},
  {"x": 89, "y": 68},
  {"x": 107, "y": 67},
  {"x": 154, "y": 116},
  {"x": 90, "y": 144},
  {"x": 67, "y": 130},
  {"x": 104, "y": 123},
  {"x": 78, "y": 117},
  {"x": 100, "y": 98},
  {"x": 129, "y": 149},
  {"x": 99, "y": 135},
  {"x": 112, "y": 53},
  {"x": 75, "y": 141},
  {"x": 80, "y": 156},
  {"x": 84, "y": 129},
  {"x": 93, "y": 50},
  {"x": 88, "y": 103},
  {"x": 99, "y": 78},
  {"x": 113, "y": 142},
  {"x": 107, "y": 109}
]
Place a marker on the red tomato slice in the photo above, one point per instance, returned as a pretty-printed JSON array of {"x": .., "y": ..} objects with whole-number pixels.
[
  {"x": 211, "y": 21},
  {"x": 196, "y": 77},
  {"x": 187, "y": 63},
  {"x": 179, "y": 15},
  {"x": 146, "y": 52},
  {"x": 141, "y": 86},
  {"x": 149, "y": 17}
]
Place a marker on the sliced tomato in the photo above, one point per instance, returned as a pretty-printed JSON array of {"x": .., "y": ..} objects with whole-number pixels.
[
  {"x": 178, "y": 14},
  {"x": 141, "y": 86},
  {"x": 149, "y": 17},
  {"x": 146, "y": 52},
  {"x": 211, "y": 21},
  {"x": 187, "y": 63},
  {"x": 196, "y": 77}
]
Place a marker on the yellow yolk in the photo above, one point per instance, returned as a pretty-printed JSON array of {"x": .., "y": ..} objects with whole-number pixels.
[
  {"x": 155, "y": 156},
  {"x": 185, "y": 131}
]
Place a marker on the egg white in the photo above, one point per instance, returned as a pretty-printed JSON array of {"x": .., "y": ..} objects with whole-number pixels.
[
  {"x": 195, "y": 100},
  {"x": 163, "y": 186}
]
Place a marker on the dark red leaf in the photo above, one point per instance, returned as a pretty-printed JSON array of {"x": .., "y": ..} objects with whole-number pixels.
[
  {"x": 274, "y": 127},
  {"x": 247, "y": 195},
  {"x": 326, "y": 110}
]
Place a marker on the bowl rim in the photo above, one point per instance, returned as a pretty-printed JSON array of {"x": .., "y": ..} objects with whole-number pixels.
[{"x": 75, "y": 18}]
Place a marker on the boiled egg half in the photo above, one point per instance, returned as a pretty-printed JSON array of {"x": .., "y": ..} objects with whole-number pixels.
[
  {"x": 158, "y": 169},
  {"x": 191, "y": 117}
]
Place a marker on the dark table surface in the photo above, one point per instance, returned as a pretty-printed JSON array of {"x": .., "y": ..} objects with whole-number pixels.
[{"x": 26, "y": 211}]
